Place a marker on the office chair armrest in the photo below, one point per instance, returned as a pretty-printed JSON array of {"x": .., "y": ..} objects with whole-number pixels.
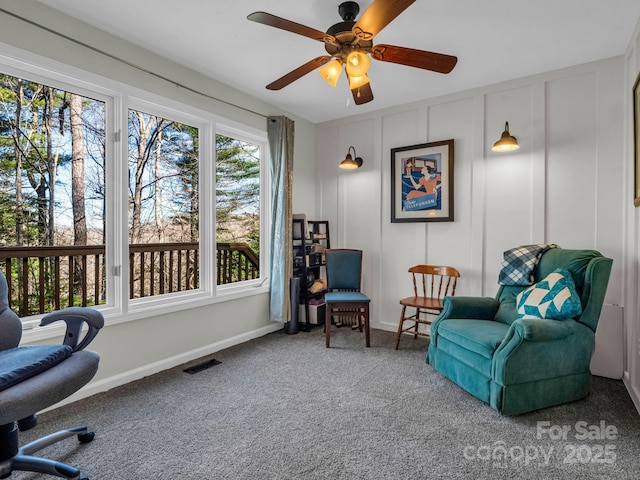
[{"x": 74, "y": 317}]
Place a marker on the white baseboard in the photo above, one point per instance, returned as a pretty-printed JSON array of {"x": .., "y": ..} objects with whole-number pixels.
[{"x": 99, "y": 386}]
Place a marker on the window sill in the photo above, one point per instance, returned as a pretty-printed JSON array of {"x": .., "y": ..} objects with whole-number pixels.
[{"x": 33, "y": 333}]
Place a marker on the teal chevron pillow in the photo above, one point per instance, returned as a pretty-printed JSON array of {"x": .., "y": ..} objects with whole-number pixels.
[{"x": 554, "y": 297}]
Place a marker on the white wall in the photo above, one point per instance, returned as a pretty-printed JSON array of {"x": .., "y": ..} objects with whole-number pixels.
[
  {"x": 632, "y": 230},
  {"x": 137, "y": 348},
  {"x": 565, "y": 185}
]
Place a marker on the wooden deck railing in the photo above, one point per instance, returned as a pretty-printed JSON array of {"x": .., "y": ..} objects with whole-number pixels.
[
  {"x": 43, "y": 279},
  {"x": 236, "y": 262}
]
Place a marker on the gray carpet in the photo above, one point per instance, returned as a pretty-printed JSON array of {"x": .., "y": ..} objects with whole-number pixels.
[{"x": 284, "y": 407}]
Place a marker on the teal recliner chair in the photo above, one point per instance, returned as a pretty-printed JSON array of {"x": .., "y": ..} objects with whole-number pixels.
[{"x": 516, "y": 364}]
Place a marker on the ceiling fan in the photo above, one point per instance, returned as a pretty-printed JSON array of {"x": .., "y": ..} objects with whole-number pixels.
[{"x": 350, "y": 43}]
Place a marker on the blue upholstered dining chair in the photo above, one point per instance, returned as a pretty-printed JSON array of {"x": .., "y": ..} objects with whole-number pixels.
[
  {"x": 343, "y": 297},
  {"x": 35, "y": 377}
]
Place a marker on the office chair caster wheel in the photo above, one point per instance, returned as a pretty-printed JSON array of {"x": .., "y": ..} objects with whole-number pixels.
[
  {"x": 86, "y": 437},
  {"x": 83, "y": 477}
]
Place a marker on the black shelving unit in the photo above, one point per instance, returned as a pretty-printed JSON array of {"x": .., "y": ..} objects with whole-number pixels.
[{"x": 310, "y": 240}]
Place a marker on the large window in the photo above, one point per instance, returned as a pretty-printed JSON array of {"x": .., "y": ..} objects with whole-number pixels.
[
  {"x": 237, "y": 210},
  {"x": 131, "y": 212},
  {"x": 163, "y": 205},
  {"x": 52, "y": 196}
]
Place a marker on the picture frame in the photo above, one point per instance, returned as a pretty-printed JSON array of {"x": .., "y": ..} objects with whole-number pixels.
[
  {"x": 422, "y": 182},
  {"x": 636, "y": 142}
]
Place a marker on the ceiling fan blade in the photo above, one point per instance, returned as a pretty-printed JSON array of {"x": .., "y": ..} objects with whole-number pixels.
[
  {"x": 299, "y": 72},
  {"x": 436, "y": 62},
  {"x": 379, "y": 14},
  {"x": 289, "y": 26},
  {"x": 362, "y": 94}
]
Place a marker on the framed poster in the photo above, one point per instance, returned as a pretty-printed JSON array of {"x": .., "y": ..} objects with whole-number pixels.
[
  {"x": 636, "y": 142},
  {"x": 422, "y": 182}
]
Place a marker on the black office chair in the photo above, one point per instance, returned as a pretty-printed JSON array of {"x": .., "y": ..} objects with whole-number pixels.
[{"x": 33, "y": 378}]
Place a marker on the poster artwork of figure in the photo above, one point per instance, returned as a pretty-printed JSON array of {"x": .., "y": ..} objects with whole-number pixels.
[{"x": 421, "y": 183}]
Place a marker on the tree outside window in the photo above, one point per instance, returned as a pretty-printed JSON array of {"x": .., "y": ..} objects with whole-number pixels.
[{"x": 52, "y": 184}]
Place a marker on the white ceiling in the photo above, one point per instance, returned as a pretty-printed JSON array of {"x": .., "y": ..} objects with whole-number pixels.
[{"x": 494, "y": 40}]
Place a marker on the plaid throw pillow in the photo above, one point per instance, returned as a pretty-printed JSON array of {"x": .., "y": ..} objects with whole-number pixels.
[{"x": 519, "y": 263}]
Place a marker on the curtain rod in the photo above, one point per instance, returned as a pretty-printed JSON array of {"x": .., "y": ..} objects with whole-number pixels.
[{"x": 126, "y": 62}]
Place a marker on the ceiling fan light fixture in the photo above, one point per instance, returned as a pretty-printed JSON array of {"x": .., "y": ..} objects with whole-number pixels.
[
  {"x": 507, "y": 142},
  {"x": 357, "y": 82},
  {"x": 351, "y": 43},
  {"x": 349, "y": 163},
  {"x": 357, "y": 63},
  {"x": 331, "y": 72}
]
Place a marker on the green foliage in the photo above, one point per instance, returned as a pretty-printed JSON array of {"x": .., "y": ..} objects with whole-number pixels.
[
  {"x": 34, "y": 149},
  {"x": 163, "y": 179},
  {"x": 238, "y": 191}
]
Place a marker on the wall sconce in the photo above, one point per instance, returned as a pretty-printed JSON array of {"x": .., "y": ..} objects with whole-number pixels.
[
  {"x": 351, "y": 163},
  {"x": 507, "y": 142}
]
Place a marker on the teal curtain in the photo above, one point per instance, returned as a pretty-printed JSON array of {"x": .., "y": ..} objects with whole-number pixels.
[{"x": 280, "y": 131}]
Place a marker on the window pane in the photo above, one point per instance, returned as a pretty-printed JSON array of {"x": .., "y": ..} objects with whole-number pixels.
[
  {"x": 163, "y": 205},
  {"x": 52, "y": 205},
  {"x": 237, "y": 210}
]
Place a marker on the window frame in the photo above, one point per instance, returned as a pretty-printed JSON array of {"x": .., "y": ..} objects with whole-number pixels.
[
  {"x": 260, "y": 140},
  {"x": 119, "y": 98},
  {"x": 204, "y": 160},
  {"x": 34, "y": 68}
]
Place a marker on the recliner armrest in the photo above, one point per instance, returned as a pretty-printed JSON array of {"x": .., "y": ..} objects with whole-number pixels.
[
  {"x": 481, "y": 308},
  {"x": 75, "y": 317},
  {"x": 543, "y": 329}
]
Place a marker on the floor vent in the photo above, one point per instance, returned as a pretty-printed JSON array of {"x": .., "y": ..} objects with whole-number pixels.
[{"x": 202, "y": 366}]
